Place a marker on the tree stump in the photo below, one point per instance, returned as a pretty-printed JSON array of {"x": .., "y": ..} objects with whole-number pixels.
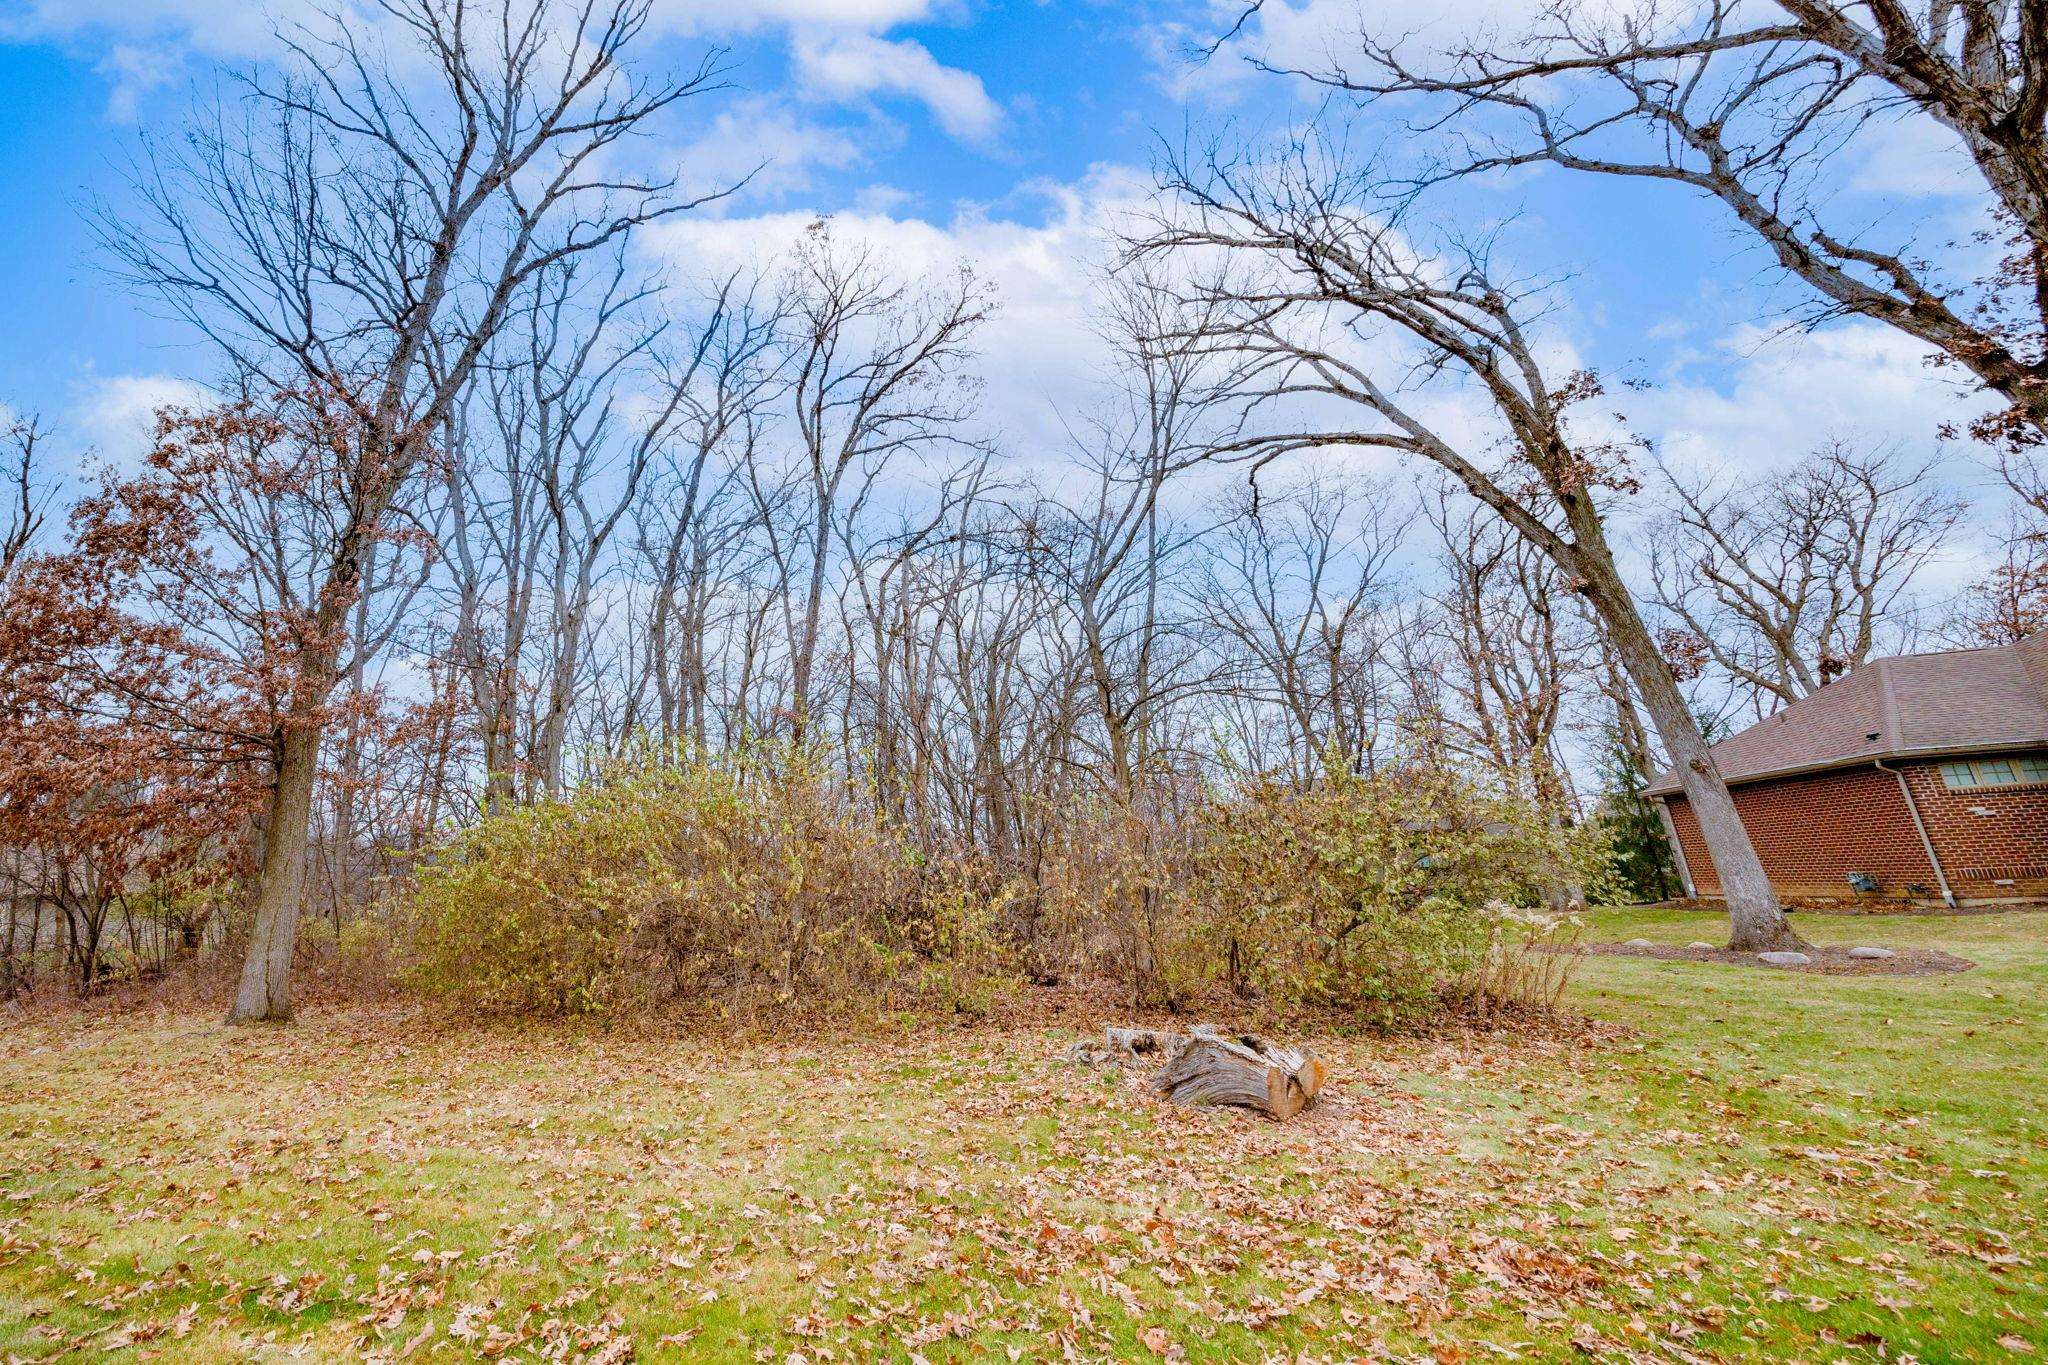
[{"x": 1248, "y": 1071}]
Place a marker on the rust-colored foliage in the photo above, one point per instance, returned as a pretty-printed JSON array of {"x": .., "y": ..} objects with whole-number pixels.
[{"x": 149, "y": 667}]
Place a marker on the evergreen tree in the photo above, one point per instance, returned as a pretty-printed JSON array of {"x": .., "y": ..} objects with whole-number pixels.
[{"x": 1643, "y": 867}]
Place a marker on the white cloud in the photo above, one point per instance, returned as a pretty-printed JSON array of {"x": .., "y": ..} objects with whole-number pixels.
[
  {"x": 855, "y": 65},
  {"x": 1040, "y": 351},
  {"x": 1783, "y": 391},
  {"x": 134, "y": 71},
  {"x": 219, "y": 28},
  {"x": 116, "y": 418},
  {"x": 761, "y": 138},
  {"x": 1915, "y": 156},
  {"x": 243, "y": 28},
  {"x": 883, "y": 200},
  {"x": 737, "y": 16},
  {"x": 1311, "y": 35},
  {"x": 838, "y": 47}
]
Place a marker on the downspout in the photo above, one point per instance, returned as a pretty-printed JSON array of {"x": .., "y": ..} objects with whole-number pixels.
[
  {"x": 1948, "y": 897},
  {"x": 1677, "y": 850}
]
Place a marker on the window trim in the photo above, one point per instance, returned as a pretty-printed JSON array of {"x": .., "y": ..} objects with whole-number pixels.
[{"x": 1968, "y": 775}]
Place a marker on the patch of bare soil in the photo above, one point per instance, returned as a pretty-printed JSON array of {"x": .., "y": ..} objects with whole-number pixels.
[{"x": 1827, "y": 960}]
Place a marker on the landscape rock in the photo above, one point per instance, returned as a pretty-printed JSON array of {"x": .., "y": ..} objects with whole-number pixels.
[
  {"x": 1639, "y": 943},
  {"x": 1873, "y": 953},
  {"x": 1701, "y": 943},
  {"x": 1785, "y": 959}
]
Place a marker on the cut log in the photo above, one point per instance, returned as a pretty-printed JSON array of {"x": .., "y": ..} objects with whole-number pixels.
[
  {"x": 1124, "y": 1046},
  {"x": 1252, "y": 1072},
  {"x": 1140, "y": 1042}
]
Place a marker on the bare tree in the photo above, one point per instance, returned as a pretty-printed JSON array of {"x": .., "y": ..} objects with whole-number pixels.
[
  {"x": 2010, "y": 602},
  {"x": 603, "y": 399},
  {"x": 1747, "y": 103},
  {"x": 27, "y": 496},
  {"x": 1790, "y": 579},
  {"x": 346, "y": 217},
  {"x": 1344, "y": 313},
  {"x": 885, "y": 603},
  {"x": 1112, "y": 547},
  {"x": 492, "y": 543},
  {"x": 691, "y": 531},
  {"x": 876, "y": 373},
  {"x": 1514, "y": 649},
  {"x": 1000, "y": 742},
  {"x": 27, "y": 502},
  {"x": 1297, "y": 589}
]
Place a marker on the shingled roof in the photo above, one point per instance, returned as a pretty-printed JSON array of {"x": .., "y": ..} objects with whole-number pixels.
[{"x": 1958, "y": 701}]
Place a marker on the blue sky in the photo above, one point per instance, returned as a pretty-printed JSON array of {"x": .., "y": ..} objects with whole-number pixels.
[{"x": 1003, "y": 133}]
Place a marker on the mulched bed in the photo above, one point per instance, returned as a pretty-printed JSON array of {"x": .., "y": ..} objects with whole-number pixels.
[
  {"x": 1853, "y": 909},
  {"x": 1827, "y": 960}
]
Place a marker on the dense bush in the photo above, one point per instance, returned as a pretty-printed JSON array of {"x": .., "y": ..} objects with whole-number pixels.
[
  {"x": 1382, "y": 897},
  {"x": 1111, "y": 887},
  {"x": 763, "y": 882},
  {"x": 1386, "y": 898},
  {"x": 749, "y": 882}
]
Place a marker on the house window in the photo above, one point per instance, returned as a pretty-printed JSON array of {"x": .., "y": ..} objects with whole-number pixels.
[{"x": 1995, "y": 772}]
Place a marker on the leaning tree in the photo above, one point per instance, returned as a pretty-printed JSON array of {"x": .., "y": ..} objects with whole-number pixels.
[
  {"x": 1759, "y": 106},
  {"x": 1753, "y": 105},
  {"x": 1363, "y": 340}
]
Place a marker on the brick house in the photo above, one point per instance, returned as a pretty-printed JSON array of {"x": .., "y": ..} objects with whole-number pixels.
[{"x": 1922, "y": 778}]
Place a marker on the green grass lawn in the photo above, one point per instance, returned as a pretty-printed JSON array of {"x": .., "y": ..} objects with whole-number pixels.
[{"x": 1754, "y": 1164}]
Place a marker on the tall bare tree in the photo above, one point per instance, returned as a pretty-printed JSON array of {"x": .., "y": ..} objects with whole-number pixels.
[
  {"x": 877, "y": 379},
  {"x": 1790, "y": 579},
  {"x": 1112, "y": 546},
  {"x": 27, "y": 493},
  {"x": 331, "y": 227},
  {"x": 1513, "y": 648},
  {"x": 1298, "y": 589},
  {"x": 692, "y": 531},
  {"x": 2010, "y": 602}
]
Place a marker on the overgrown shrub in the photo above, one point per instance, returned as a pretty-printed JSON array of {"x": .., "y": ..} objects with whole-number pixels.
[
  {"x": 1370, "y": 895},
  {"x": 1111, "y": 890},
  {"x": 752, "y": 881},
  {"x": 763, "y": 882},
  {"x": 1388, "y": 899}
]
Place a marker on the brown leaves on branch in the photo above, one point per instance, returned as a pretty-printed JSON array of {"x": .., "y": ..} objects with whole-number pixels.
[
  {"x": 148, "y": 666},
  {"x": 1685, "y": 651},
  {"x": 1604, "y": 464}
]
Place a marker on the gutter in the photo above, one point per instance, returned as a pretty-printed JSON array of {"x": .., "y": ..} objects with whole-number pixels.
[
  {"x": 1948, "y": 897},
  {"x": 1677, "y": 849}
]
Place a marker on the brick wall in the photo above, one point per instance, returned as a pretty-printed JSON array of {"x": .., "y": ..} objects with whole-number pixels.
[
  {"x": 1811, "y": 832},
  {"x": 1985, "y": 835}
]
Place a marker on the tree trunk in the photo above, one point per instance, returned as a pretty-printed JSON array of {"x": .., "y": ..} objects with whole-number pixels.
[
  {"x": 554, "y": 734},
  {"x": 1756, "y": 923},
  {"x": 264, "y": 994}
]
